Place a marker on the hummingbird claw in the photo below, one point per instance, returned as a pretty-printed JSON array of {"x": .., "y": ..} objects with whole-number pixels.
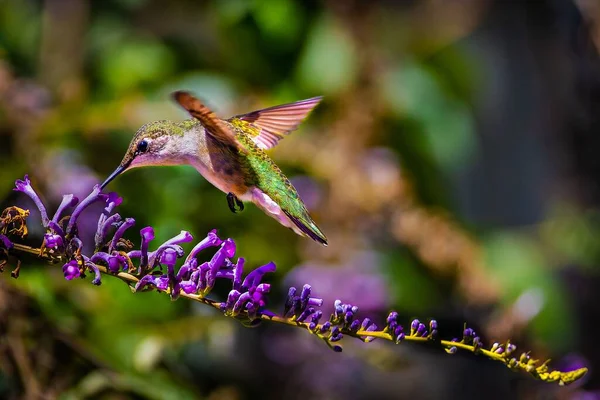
[{"x": 233, "y": 201}]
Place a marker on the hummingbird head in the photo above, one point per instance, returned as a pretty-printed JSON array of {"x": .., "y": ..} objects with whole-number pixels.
[{"x": 149, "y": 146}]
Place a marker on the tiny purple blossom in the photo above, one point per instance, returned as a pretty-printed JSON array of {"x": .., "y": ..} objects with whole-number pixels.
[
  {"x": 239, "y": 304},
  {"x": 104, "y": 224},
  {"x": 226, "y": 251},
  {"x": 254, "y": 277},
  {"x": 182, "y": 237},
  {"x": 94, "y": 268},
  {"x": 160, "y": 282},
  {"x": 94, "y": 196},
  {"x": 54, "y": 227},
  {"x": 68, "y": 200},
  {"x": 24, "y": 186},
  {"x": 210, "y": 240},
  {"x": 71, "y": 270},
  {"x": 128, "y": 223},
  {"x": 147, "y": 235},
  {"x": 238, "y": 269},
  {"x": 53, "y": 241}
]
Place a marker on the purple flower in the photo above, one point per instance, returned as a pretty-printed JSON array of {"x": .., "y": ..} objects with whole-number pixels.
[
  {"x": 114, "y": 262},
  {"x": 226, "y": 251},
  {"x": 160, "y": 282},
  {"x": 183, "y": 237},
  {"x": 71, "y": 270},
  {"x": 96, "y": 195},
  {"x": 97, "y": 277},
  {"x": 128, "y": 223},
  {"x": 53, "y": 241},
  {"x": 24, "y": 186},
  {"x": 68, "y": 200},
  {"x": 209, "y": 241},
  {"x": 104, "y": 224},
  {"x": 147, "y": 234},
  {"x": 254, "y": 277}
]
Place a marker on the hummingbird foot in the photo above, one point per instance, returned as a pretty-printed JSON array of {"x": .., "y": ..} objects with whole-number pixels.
[{"x": 233, "y": 201}]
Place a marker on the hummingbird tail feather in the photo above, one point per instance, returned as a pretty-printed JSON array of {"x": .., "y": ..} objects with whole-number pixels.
[{"x": 311, "y": 231}]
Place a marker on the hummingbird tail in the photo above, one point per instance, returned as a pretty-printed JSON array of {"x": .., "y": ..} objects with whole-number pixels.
[{"x": 311, "y": 230}]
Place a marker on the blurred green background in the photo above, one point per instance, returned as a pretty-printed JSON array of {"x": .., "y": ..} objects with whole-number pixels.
[{"x": 453, "y": 166}]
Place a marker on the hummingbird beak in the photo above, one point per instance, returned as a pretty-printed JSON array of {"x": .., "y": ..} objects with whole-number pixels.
[{"x": 120, "y": 169}]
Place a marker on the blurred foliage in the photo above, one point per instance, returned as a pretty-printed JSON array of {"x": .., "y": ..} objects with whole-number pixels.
[{"x": 414, "y": 96}]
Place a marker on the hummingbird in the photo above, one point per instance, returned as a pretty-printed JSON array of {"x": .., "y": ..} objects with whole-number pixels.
[{"x": 230, "y": 154}]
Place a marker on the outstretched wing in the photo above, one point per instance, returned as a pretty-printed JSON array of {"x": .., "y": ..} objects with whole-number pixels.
[
  {"x": 214, "y": 125},
  {"x": 274, "y": 123}
]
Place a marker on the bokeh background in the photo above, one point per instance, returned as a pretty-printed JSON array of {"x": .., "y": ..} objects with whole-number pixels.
[{"x": 454, "y": 165}]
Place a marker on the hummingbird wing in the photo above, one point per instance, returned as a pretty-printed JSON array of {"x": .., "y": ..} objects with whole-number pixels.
[
  {"x": 216, "y": 127},
  {"x": 274, "y": 123}
]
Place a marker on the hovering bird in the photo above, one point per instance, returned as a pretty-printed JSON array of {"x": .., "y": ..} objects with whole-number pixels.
[{"x": 230, "y": 154}]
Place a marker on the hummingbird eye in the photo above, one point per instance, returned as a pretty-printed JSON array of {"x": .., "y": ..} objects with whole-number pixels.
[{"x": 142, "y": 146}]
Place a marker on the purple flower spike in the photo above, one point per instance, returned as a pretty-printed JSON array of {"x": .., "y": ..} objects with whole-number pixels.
[
  {"x": 210, "y": 240},
  {"x": 91, "y": 198},
  {"x": 128, "y": 223},
  {"x": 254, "y": 277},
  {"x": 68, "y": 200},
  {"x": 71, "y": 270},
  {"x": 147, "y": 234},
  {"x": 24, "y": 186},
  {"x": 5, "y": 242}
]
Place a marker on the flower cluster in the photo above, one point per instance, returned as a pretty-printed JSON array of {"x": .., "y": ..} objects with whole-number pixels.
[{"x": 146, "y": 269}]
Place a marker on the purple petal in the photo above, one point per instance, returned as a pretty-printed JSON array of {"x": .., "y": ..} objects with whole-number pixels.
[
  {"x": 24, "y": 186},
  {"x": 238, "y": 270},
  {"x": 254, "y": 277},
  {"x": 68, "y": 200},
  {"x": 53, "y": 241},
  {"x": 210, "y": 240},
  {"x": 147, "y": 234},
  {"x": 160, "y": 282},
  {"x": 56, "y": 228},
  {"x": 226, "y": 251},
  {"x": 128, "y": 223},
  {"x": 113, "y": 200},
  {"x": 97, "y": 277},
  {"x": 239, "y": 304},
  {"x": 168, "y": 257},
  {"x": 103, "y": 228},
  {"x": 94, "y": 196},
  {"x": 183, "y": 237},
  {"x": 71, "y": 270}
]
